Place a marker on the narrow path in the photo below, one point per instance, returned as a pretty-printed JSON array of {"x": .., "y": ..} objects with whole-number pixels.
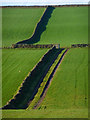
[{"x": 50, "y": 80}]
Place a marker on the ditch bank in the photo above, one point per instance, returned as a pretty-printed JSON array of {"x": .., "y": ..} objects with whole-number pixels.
[
  {"x": 32, "y": 82},
  {"x": 49, "y": 82},
  {"x": 44, "y": 85}
]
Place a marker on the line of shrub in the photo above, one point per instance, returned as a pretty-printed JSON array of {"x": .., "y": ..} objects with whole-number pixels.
[
  {"x": 45, "y": 80},
  {"x": 80, "y": 45},
  {"x": 31, "y": 46},
  {"x": 31, "y": 83},
  {"x": 35, "y": 46}
]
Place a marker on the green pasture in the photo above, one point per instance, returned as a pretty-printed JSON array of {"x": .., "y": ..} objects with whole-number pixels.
[
  {"x": 19, "y": 23},
  {"x": 34, "y": 79},
  {"x": 63, "y": 99},
  {"x": 69, "y": 87},
  {"x": 16, "y": 64},
  {"x": 67, "y": 96},
  {"x": 52, "y": 113},
  {"x": 67, "y": 25}
]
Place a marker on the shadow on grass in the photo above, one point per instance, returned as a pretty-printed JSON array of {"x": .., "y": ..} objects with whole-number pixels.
[
  {"x": 32, "y": 82},
  {"x": 40, "y": 28}
]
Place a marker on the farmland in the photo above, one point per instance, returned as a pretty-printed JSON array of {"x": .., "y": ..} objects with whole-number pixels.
[
  {"x": 70, "y": 82},
  {"x": 67, "y": 95},
  {"x": 67, "y": 26},
  {"x": 19, "y": 23},
  {"x": 15, "y": 68}
]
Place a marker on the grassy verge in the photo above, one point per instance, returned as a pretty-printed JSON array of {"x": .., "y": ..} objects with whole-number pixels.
[
  {"x": 69, "y": 87},
  {"x": 53, "y": 113},
  {"x": 45, "y": 80}
]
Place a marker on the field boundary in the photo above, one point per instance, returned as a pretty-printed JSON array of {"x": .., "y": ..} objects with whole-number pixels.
[
  {"x": 46, "y": 79},
  {"x": 35, "y": 46},
  {"x": 79, "y": 45},
  {"x": 50, "y": 80},
  {"x": 37, "y": 6},
  {"x": 25, "y": 92}
]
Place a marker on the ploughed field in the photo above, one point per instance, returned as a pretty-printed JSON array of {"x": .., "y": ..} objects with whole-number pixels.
[
  {"x": 67, "y": 25},
  {"x": 16, "y": 64}
]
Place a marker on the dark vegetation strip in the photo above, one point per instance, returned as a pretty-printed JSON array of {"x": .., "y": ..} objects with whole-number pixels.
[
  {"x": 35, "y": 46},
  {"x": 44, "y": 46},
  {"x": 79, "y": 45},
  {"x": 46, "y": 81},
  {"x": 49, "y": 80},
  {"x": 40, "y": 27},
  {"x": 38, "y": 6},
  {"x": 59, "y": 60},
  {"x": 32, "y": 82}
]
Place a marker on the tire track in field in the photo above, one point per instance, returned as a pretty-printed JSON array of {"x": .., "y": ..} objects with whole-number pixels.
[
  {"x": 76, "y": 85},
  {"x": 50, "y": 80},
  {"x": 85, "y": 86}
]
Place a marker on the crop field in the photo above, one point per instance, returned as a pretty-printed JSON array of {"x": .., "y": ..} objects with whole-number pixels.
[
  {"x": 67, "y": 25},
  {"x": 67, "y": 93},
  {"x": 19, "y": 23},
  {"x": 16, "y": 64},
  {"x": 69, "y": 87}
]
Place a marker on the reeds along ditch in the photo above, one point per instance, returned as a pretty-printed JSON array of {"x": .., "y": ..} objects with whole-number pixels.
[
  {"x": 32, "y": 82},
  {"x": 45, "y": 80}
]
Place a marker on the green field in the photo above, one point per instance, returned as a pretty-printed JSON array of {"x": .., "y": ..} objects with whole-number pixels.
[
  {"x": 67, "y": 96},
  {"x": 67, "y": 25},
  {"x": 63, "y": 100},
  {"x": 69, "y": 87},
  {"x": 16, "y": 64},
  {"x": 19, "y": 23},
  {"x": 53, "y": 113}
]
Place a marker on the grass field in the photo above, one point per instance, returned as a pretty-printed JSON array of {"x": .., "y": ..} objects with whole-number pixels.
[
  {"x": 63, "y": 100},
  {"x": 53, "y": 113},
  {"x": 19, "y": 23},
  {"x": 69, "y": 87},
  {"x": 68, "y": 25},
  {"x": 67, "y": 96},
  {"x": 33, "y": 80},
  {"x": 16, "y": 64}
]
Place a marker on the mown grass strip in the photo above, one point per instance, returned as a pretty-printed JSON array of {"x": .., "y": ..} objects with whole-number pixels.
[{"x": 45, "y": 80}]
